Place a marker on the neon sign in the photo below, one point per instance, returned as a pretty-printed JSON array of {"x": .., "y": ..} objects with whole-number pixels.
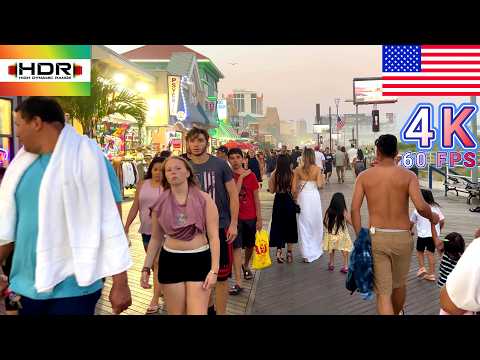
[
  {"x": 451, "y": 133},
  {"x": 4, "y": 156}
]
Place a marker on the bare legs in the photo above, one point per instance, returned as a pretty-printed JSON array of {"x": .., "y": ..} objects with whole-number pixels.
[
  {"x": 391, "y": 304},
  {"x": 186, "y": 298}
]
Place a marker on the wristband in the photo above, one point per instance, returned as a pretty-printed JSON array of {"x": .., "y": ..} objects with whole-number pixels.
[
  {"x": 146, "y": 269},
  {"x": 213, "y": 272}
]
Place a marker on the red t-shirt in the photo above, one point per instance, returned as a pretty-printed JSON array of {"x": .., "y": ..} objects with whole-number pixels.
[{"x": 247, "y": 210}]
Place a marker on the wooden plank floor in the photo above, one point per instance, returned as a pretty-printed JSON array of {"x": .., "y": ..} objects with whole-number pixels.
[
  {"x": 237, "y": 305},
  {"x": 300, "y": 288}
]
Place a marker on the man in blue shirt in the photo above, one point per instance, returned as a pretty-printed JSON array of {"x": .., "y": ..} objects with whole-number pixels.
[{"x": 39, "y": 122}]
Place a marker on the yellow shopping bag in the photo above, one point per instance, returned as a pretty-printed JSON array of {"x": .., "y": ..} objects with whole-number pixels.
[{"x": 261, "y": 256}]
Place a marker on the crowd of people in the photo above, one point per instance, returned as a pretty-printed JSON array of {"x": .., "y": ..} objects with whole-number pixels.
[{"x": 199, "y": 214}]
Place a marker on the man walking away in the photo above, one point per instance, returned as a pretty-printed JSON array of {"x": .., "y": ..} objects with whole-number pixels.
[{"x": 388, "y": 188}]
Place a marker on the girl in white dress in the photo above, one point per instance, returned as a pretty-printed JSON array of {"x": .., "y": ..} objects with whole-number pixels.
[{"x": 307, "y": 181}]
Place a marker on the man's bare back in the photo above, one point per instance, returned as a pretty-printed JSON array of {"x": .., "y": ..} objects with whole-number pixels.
[{"x": 387, "y": 190}]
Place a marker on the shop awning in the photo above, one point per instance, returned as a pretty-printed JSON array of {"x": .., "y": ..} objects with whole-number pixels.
[
  {"x": 224, "y": 132},
  {"x": 120, "y": 119}
]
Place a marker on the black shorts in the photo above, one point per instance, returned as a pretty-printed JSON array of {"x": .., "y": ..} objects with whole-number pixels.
[
  {"x": 146, "y": 239},
  {"x": 226, "y": 257},
  {"x": 183, "y": 267},
  {"x": 246, "y": 234},
  {"x": 425, "y": 243}
]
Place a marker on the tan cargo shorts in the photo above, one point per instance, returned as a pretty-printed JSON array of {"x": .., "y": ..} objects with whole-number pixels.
[{"x": 392, "y": 253}]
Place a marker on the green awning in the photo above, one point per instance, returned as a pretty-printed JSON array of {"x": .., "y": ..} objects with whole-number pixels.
[{"x": 224, "y": 132}]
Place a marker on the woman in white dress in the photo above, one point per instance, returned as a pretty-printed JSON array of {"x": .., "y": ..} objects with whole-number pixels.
[{"x": 307, "y": 181}]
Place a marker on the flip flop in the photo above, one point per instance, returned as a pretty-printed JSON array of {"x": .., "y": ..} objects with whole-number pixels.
[
  {"x": 422, "y": 271},
  {"x": 152, "y": 309},
  {"x": 430, "y": 277},
  {"x": 235, "y": 290}
]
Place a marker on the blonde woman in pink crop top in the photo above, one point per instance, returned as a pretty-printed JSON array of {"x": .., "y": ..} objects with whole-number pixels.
[
  {"x": 147, "y": 194},
  {"x": 185, "y": 230}
]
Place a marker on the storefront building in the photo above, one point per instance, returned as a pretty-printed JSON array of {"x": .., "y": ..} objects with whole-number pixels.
[
  {"x": 8, "y": 141},
  {"x": 120, "y": 135},
  {"x": 198, "y": 78}
]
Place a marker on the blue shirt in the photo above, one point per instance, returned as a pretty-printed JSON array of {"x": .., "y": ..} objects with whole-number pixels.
[{"x": 22, "y": 276}]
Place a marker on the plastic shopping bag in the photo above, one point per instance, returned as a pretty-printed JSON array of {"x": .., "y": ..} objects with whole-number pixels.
[{"x": 261, "y": 256}]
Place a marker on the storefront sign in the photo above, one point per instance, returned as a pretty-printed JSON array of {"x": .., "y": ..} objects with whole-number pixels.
[
  {"x": 47, "y": 70},
  {"x": 457, "y": 144},
  {"x": 222, "y": 109},
  {"x": 177, "y": 143},
  {"x": 173, "y": 93}
]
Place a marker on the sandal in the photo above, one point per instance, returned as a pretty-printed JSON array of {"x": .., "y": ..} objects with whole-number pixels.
[
  {"x": 152, "y": 309},
  {"x": 289, "y": 257},
  {"x": 280, "y": 259},
  {"x": 429, "y": 277},
  {"x": 247, "y": 274},
  {"x": 331, "y": 267},
  {"x": 235, "y": 290},
  {"x": 344, "y": 270},
  {"x": 422, "y": 271},
  {"x": 477, "y": 209}
]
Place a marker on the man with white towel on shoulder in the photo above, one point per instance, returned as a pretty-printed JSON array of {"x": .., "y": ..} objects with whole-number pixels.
[{"x": 59, "y": 208}]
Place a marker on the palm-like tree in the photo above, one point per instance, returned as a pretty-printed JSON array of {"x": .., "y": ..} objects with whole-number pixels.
[{"x": 104, "y": 100}]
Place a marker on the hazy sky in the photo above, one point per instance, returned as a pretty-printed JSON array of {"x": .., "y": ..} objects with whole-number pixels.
[{"x": 294, "y": 78}]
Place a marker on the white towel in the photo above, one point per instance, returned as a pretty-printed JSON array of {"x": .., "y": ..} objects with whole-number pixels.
[{"x": 79, "y": 229}]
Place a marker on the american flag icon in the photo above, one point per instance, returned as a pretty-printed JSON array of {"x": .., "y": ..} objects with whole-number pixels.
[
  {"x": 430, "y": 70},
  {"x": 340, "y": 122}
]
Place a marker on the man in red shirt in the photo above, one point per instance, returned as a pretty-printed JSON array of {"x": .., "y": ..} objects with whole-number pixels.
[{"x": 249, "y": 218}]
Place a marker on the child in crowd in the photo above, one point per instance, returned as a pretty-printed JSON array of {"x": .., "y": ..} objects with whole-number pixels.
[
  {"x": 454, "y": 247},
  {"x": 426, "y": 240},
  {"x": 336, "y": 235}
]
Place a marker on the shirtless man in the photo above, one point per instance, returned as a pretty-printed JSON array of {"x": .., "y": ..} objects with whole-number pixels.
[{"x": 388, "y": 188}]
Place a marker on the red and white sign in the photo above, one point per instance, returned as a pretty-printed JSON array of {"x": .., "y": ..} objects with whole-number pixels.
[{"x": 177, "y": 143}]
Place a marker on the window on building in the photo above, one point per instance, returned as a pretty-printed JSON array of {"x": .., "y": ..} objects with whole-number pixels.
[
  {"x": 239, "y": 101},
  {"x": 253, "y": 103}
]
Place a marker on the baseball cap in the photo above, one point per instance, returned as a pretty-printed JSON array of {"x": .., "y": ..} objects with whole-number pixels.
[{"x": 223, "y": 149}]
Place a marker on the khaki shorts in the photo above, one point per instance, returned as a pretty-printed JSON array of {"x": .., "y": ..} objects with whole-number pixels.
[{"x": 392, "y": 253}]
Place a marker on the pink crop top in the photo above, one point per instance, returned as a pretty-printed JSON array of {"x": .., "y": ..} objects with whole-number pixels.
[
  {"x": 182, "y": 222},
  {"x": 148, "y": 198}
]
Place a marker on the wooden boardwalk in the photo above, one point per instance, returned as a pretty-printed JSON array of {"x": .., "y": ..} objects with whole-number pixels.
[
  {"x": 300, "y": 288},
  {"x": 237, "y": 305}
]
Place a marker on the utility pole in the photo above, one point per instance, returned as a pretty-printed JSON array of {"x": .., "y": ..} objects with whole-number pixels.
[
  {"x": 357, "y": 144},
  {"x": 330, "y": 127},
  {"x": 317, "y": 115}
]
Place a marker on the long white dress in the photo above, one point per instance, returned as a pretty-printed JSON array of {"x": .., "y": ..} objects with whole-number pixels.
[{"x": 310, "y": 221}]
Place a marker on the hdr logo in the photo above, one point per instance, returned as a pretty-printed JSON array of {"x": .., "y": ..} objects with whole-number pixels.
[{"x": 45, "y": 70}]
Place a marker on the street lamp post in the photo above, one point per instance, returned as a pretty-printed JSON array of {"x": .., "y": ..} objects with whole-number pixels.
[
  {"x": 330, "y": 119},
  {"x": 337, "y": 102}
]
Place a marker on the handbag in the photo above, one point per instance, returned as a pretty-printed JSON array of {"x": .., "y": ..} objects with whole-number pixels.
[
  {"x": 261, "y": 256},
  {"x": 297, "y": 207}
]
